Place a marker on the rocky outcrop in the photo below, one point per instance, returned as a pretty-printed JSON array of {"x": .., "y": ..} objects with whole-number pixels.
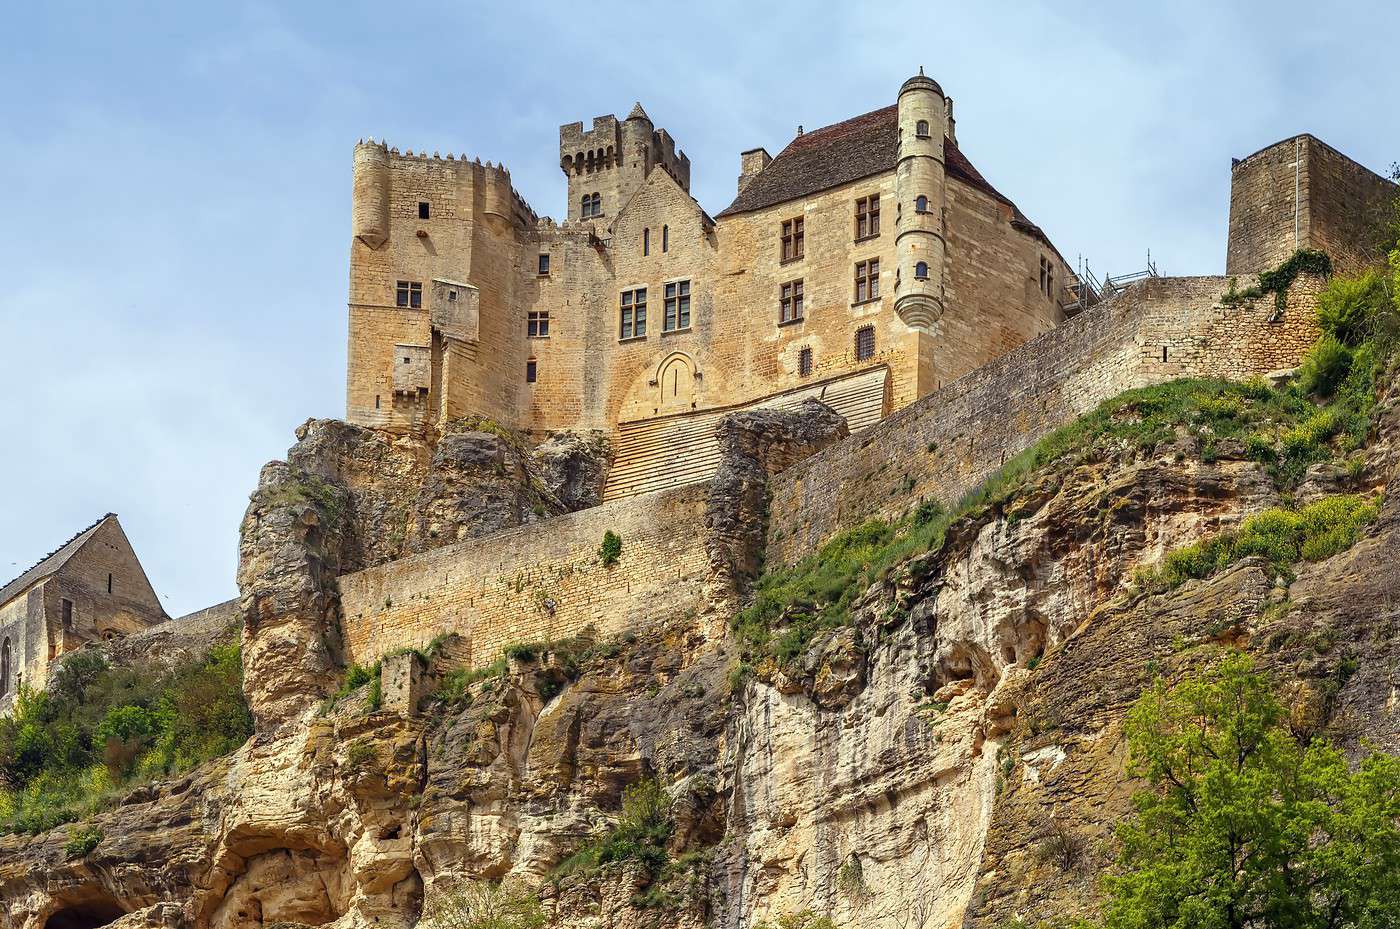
[
  {"x": 573, "y": 467},
  {"x": 952, "y": 756},
  {"x": 753, "y": 446}
]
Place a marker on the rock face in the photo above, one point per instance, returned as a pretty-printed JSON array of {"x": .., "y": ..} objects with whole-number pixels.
[
  {"x": 753, "y": 446},
  {"x": 953, "y": 756}
]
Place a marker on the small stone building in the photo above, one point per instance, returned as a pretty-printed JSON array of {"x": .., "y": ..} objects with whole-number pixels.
[{"x": 92, "y": 587}]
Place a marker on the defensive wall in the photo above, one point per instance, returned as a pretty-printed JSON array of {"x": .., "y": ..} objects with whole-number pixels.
[
  {"x": 546, "y": 580},
  {"x": 947, "y": 443},
  {"x": 537, "y": 582}
]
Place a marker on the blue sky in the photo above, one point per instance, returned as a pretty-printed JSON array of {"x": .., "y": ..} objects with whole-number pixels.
[{"x": 176, "y": 181}]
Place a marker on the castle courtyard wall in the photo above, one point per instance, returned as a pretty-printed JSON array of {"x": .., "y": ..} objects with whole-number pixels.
[
  {"x": 948, "y": 443},
  {"x": 535, "y": 583}
]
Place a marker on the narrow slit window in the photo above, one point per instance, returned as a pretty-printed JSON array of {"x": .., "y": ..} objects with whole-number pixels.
[
  {"x": 423, "y": 210},
  {"x": 804, "y": 362},
  {"x": 646, "y": 242},
  {"x": 665, "y": 238},
  {"x": 531, "y": 371}
]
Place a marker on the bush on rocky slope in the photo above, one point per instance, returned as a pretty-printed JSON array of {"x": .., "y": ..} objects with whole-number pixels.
[{"x": 99, "y": 729}]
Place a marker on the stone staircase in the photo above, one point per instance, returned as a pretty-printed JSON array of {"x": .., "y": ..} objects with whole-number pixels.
[{"x": 669, "y": 451}]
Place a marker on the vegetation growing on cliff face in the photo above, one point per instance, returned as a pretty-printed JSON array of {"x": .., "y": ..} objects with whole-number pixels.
[
  {"x": 1284, "y": 537},
  {"x": 482, "y": 905},
  {"x": 98, "y": 729},
  {"x": 640, "y": 834},
  {"x": 1245, "y": 824},
  {"x": 1323, "y": 414}
]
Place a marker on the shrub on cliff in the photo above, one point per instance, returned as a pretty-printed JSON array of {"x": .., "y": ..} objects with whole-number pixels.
[
  {"x": 462, "y": 904},
  {"x": 1244, "y": 825},
  {"x": 66, "y": 751},
  {"x": 640, "y": 834}
]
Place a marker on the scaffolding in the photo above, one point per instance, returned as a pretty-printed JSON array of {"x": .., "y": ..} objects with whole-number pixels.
[{"x": 1086, "y": 290}]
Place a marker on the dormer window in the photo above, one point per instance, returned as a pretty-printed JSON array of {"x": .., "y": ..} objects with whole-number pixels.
[
  {"x": 921, "y": 129},
  {"x": 422, "y": 210}
]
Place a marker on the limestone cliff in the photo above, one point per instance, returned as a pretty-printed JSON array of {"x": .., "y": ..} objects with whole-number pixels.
[{"x": 951, "y": 755}]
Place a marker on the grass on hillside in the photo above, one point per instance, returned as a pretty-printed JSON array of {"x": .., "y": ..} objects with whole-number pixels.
[{"x": 1323, "y": 414}]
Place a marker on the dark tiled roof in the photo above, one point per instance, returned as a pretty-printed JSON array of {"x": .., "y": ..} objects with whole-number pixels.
[
  {"x": 848, "y": 151},
  {"x": 50, "y": 562}
]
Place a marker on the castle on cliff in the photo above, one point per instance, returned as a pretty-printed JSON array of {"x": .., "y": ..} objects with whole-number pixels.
[{"x": 868, "y": 263}]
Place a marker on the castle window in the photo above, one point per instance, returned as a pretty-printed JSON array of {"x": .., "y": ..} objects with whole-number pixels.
[
  {"x": 376, "y": 401},
  {"x": 65, "y": 612},
  {"x": 537, "y": 324},
  {"x": 867, "y": 280},
  {"x": 790, "y": 302},
  {"x": 109, "y": 583},
  {"x": 920, "y": 271},
  {"x": 1047, "y": 277},
  {"x": 665, "y": 238},
  {"x": 921, "y": 129},
  {"x": 422, "y": 210},
  {"x": 804, "y": 363},
  {"x": 867, "y": 217},
  {"x": 677, "y": 307},
  {"x": 633, "y": 322},
  {"x": 592, "y": 206},
  {"x": 646, "y": 242},
  {"x": 531, "y": 371},
  {"x": 865, "y": 343},
  {"x": 793, "y": 239},
  {"x": 5, "y": 667},
  {"x": 544, "y": 264},
  {"x": 409, "y": 294},
  {"x": 921, "y": 204}
]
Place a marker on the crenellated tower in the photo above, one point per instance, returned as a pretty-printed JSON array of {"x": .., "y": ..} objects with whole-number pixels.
[
  {"x": 607, "y": 164},
  {"x": 920, "y": 246}
]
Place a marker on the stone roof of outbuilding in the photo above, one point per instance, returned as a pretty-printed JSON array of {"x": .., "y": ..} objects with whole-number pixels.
[
  {"x": 50, "y": 563},
  {"x": 847, "y": 151}
]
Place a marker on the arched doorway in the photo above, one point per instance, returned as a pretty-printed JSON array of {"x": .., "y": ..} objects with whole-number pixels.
[{"x": 675, "y": 380}]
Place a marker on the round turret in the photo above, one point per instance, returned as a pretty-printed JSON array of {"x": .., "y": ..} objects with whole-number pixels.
[
  {"x": 918, "y": 185},
  {"x": 369, "y": 210}
]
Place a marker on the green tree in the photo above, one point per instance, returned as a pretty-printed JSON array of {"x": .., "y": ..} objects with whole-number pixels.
[
  {"x": 1246, "y": 827},
  {"x": 464, "y": 904}
]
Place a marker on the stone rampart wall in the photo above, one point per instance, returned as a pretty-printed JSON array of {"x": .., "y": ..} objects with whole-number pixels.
[
  {"x": 536, "y": 583},
  {"x": 947, "y": 443}
]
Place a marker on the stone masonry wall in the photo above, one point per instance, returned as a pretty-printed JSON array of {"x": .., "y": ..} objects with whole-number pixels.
[
  {"x": 537, "y": 582},
  {"x": 949, "y": 442},
  {"x": 1338, "y": 204}
]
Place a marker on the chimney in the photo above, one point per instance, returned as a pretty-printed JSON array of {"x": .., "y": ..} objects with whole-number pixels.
[{"x": 751, "y": 163}]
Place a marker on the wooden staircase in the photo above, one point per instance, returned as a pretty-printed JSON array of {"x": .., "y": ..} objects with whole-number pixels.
[{"x": 670, "y": 451}]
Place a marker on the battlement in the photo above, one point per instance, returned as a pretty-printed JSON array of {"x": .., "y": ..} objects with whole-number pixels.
[{"x": 485, "y": 173}]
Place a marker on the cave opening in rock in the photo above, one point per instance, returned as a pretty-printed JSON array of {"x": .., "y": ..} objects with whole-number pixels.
[{"x": 90, "y": 914}]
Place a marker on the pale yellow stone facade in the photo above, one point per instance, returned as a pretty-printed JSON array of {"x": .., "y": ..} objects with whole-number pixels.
[{"x": 449, "y": 292}]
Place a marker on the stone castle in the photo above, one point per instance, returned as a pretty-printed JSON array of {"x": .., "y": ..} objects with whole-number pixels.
[
  {"x": 643, "y": 318},
  {"x": 868, "y": 263}
]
